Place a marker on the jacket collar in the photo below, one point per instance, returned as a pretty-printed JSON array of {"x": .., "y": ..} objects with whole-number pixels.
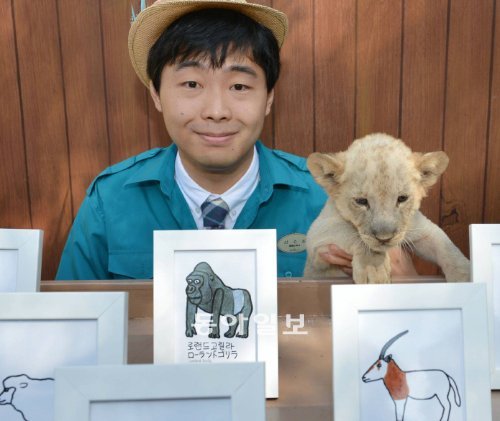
[{"x": 274, "y": 169}]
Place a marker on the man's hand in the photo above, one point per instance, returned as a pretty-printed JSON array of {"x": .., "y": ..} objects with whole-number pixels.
[
  {"x": 401, "y": 263},
  {"x": 336, "y": 256}
]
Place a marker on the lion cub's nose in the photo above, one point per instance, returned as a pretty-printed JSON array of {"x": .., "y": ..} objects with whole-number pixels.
[
  {"x": 384, "y": 240},
  {"x": 383, "y": 237}
]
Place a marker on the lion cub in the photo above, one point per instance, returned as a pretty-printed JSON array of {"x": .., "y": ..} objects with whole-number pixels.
[{"x": 375, "y": 188}]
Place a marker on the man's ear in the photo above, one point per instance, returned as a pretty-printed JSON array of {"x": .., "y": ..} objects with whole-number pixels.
[
  {"x": 156, "y": 97},
  {"x": 269, "y": 102},
  {"x": 430, "y": 165},
  {"x": 327, "y": 169}
]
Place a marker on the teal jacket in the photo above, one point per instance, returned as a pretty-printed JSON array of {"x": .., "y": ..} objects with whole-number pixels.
[{"x": 112, "y": 235}]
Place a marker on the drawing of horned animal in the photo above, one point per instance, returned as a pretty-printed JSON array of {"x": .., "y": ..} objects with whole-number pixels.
[
  {"x": 416, "y": 384},
  {"x": 206, "y": 290}
]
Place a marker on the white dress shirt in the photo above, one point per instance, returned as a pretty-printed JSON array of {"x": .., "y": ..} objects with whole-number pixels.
[{"x": 235, "y": 197}]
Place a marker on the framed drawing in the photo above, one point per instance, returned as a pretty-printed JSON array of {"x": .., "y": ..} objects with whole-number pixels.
[
  {"x": 215, "y": 298},
  {"x": 20, "y": 260},
  {"x": 406, "y": 352},
  {"x": 42, "y": 331},
  {"x": 209, "y": 392},
  {"x": 485, "y": 262}
]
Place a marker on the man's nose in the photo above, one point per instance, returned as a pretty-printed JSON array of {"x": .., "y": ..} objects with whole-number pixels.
[{"x": 216, "y": 106}]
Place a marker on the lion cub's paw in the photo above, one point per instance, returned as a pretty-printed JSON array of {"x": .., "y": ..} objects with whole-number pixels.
[
  {"x": 459, "y": 273},
  {"x": 372, "y": 273}
]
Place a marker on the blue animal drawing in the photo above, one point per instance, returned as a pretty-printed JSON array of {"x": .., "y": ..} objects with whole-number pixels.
[{"x": 205, "y": 290}]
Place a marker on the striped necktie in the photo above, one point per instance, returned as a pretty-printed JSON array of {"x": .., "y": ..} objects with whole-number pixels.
[{"x": 214, "y": 212}]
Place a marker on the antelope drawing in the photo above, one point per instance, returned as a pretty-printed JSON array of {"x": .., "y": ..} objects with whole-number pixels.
[{"x": 415, "y": 384}]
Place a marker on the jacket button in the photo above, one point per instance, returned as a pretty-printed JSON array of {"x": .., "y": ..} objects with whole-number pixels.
[{"x": 288, "y": 274}]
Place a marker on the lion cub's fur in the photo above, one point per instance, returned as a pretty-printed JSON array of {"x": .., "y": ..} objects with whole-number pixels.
[{"x": 375, "y": 188}]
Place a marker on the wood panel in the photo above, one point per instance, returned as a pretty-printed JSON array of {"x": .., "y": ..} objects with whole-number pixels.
[
  {"x": 126, "y": 95},
  {"x": 83, "y": 72},
  {"x": 44, "y": 124},
  {"x": 335, "y": 74},
  {"x": 423, "y": 88},
  {"x": 267, "y": 135},
  {"x": 71, "y": 102},
  {"x": 294, "y": 101},
  {"x": 157, "y": 133},
  {"x": 140, "y": 292},
  {"x": 379, "y": 27},
  {"x": 466, "y": 116},
  {"x": 491, "y": 208},
  {"x": 14, "y": 199}
]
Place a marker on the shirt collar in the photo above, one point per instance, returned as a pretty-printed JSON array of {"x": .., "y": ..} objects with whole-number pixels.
[{"x": 235, "y": 197}]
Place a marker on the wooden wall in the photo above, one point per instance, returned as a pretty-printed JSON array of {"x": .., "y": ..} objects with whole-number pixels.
[{"x": 427, "y": 71}]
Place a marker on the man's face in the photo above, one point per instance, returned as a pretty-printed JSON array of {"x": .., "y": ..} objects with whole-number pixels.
[{"x": 214, "y": 116}]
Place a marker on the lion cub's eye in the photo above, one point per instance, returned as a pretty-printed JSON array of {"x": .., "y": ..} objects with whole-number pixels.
[
  {"x": 402, "y": 199},
  {"x": 361, "y": 201}
]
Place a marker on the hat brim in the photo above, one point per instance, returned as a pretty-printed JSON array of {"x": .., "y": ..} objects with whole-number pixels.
[{"x": 152, "y": 21}]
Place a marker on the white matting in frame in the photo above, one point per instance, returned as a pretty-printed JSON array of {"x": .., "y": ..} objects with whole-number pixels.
[
  {"x": 20, "y": 260},
  {"x": 230, "y": 271},
  {"x": 421, "y": 342},
  {"x": 209, "y": 392},
  {"x": 42, "y": 331},
  {"x": 485, "y": 262}
]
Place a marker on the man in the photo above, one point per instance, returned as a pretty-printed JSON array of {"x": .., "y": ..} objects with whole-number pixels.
[{"x": 211, "y": 68}]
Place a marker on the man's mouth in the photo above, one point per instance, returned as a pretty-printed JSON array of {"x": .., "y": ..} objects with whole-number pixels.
[{"x": 214, "y": 137}]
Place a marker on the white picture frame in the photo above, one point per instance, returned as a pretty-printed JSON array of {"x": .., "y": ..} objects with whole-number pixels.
[
  {"x": 242, "y": 259},
  {"x": 42, "y": 331},
  {"x": 20, "y": 259},
  {"x": 434, "y": 328},
  {"x": 485, "y": 268},
  {"x": 211, "y": 392}
]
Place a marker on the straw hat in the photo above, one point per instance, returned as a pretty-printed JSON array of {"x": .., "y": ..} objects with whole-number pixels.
[{"x": 152, "y": 21}]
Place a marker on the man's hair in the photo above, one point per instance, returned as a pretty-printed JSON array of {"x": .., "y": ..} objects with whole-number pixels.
[{"x": 213, "y": 34}]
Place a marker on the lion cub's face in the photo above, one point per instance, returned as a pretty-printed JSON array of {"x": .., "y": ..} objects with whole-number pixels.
[{"x": 377, "y": 185}]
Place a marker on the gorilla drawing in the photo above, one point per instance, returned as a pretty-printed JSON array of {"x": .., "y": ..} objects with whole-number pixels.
[{"x": 207, "y": 291}]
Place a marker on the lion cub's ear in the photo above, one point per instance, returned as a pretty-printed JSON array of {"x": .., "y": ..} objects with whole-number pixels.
[
  {"x": 431, "y": 165},
  {"x": 327, "y": 168}
]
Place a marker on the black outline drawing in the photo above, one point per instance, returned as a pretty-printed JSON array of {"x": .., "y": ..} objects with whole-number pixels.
[
  {"x": 9, "y": 390},
  {"x": 402, "y": 385},
  {"x": 206, "y": 290}
]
